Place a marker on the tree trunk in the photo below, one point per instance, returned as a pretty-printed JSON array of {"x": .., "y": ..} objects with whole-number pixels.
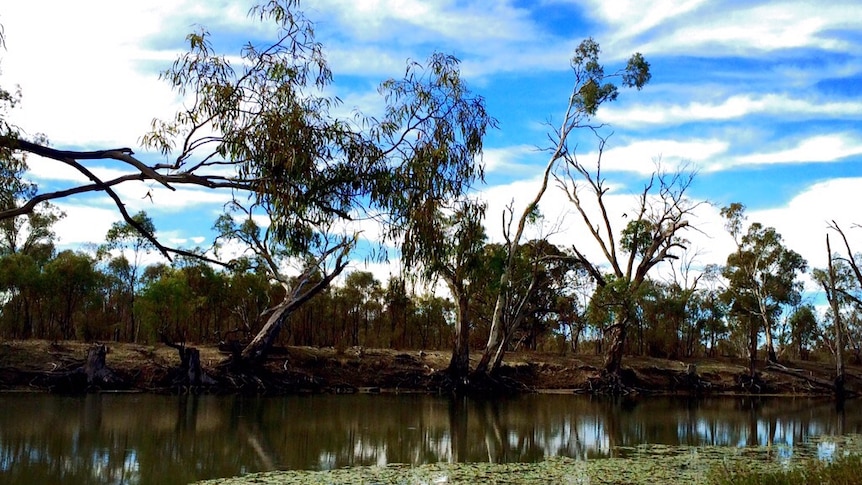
[
  {"x": 839, "y": 338},
  {"x": 497, "y": 324},
  {"x": 491, "y": 348},
  {"x": 256, "y": 350},
  {"x": 191, "y": 373},
  {"x": 752, "y": 347},
  {"x": 771, "y": 357},
  {"x": 95, "y": 369},
  {"x": 459, "y": 366},
  {"x": 614, "y": 354},
  {"x": 767, "y": 330}
]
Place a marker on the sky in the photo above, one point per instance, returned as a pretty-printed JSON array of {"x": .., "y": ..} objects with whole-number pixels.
[{"x": 762, "y": 99}]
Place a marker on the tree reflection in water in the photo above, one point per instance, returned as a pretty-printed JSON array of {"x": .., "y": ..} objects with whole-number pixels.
[{"x": 137, "y": 439}]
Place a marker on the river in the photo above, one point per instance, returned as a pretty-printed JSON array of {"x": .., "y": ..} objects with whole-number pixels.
[{"x": 152, "y": 439}]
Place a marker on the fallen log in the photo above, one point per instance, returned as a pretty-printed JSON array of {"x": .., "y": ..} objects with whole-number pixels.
[{"x": 804, "y": 375}]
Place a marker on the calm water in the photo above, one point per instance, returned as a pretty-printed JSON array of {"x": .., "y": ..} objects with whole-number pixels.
[{"x": 167, "y": 439}]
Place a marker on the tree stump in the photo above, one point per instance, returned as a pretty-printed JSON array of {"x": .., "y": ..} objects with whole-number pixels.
[{"x": 95, "y": 369}]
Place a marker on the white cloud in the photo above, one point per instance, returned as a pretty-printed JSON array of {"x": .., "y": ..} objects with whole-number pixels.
[
  {"x": 410, "y": 21},
  {"x": 643, "y": 155},
  {"x": 83, "y": 224},
  {"x": 803, "y": 220},
  {"x": 84, "y": 81},
  {"x": 734, "y": 107},
  {"x": 513, "y": 159},
  {"x": 721, "y": 28},
  {"x": 632, "y": 17},
  {"x": 824, "y": 148}
]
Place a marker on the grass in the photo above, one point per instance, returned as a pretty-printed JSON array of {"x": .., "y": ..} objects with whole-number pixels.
[{"x": 846, "y": 470}]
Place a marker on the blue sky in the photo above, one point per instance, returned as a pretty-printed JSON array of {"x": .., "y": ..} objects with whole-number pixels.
[{"x": 764, "y": 99}]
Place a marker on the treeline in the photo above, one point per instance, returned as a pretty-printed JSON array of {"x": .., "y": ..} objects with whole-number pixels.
[
  {"x": 108, "y": 295},
  {"x": 74, "y": 295}
]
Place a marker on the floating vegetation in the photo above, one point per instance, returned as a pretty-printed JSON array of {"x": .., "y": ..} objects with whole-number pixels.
[{"x": 642, "y": 464}]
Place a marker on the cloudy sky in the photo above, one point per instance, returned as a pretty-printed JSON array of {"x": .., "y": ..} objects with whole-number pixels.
[{"x": 763, "y": 99}]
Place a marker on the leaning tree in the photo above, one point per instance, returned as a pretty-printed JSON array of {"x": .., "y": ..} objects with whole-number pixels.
[{"x": 261, "y": 131}]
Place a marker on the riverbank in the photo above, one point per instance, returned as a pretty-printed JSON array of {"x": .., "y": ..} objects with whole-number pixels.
[{"x": 58, "y": 366}]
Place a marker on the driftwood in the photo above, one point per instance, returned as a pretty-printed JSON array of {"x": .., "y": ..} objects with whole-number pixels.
[{"x": 806, "y": 376}]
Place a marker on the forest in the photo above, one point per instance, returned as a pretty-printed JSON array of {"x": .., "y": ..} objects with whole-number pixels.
[{"x": 299, "y": 180}]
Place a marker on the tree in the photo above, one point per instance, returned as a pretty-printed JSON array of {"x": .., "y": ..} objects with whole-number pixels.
[
  {"x": 362, "y": 293},
  {"x": 652, "y": 235},
  {"x": 322, "y": 262},
  {"x": 842, "y": 282},
  {"x": 533, "y": 297},
  {"x": 451, "y": 251},
  {"x": 72, "y": 284},
  {"x": 761, "y": 278},
  {"x": 262, "y": 133},
  {"x": 127, "y": 241},
  {"x": 503, "y": 322},
  {"x": 592, "y": 88},
  {"x": 803, "y": 330}
]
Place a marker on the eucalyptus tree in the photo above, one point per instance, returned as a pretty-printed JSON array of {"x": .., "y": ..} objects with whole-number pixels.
[
  {"x": 362, "y": 295},
  {"x": 533, "y": 299},
  {"x": 261, "y": 133},
  {"x": 73, "y": 289},
  {"x": 592, "y": 88},
  {"x": 450, "y": 249},
  {"x": 126, "y": 248},
  {"x": 762, "y": 277},
  {"x": 324, "y": 259},
  {"x": 803, "y": 330},
  {"x": 652, "y": 235},
  {"x": 842, "y": 283}
]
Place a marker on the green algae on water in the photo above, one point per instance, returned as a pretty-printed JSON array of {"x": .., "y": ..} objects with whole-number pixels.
[{"x": 689, "y": 465}]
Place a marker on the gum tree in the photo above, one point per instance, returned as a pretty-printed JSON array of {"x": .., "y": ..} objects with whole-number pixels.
[
  {"x": 761, "y": 278},
  {"x": 260, "y": 131},
  {"x": 592, "y": 88},
  {"x": 653, "y": 232}
]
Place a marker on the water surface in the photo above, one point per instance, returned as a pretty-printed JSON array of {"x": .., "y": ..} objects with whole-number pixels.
[{"x": 138, "y": 438}]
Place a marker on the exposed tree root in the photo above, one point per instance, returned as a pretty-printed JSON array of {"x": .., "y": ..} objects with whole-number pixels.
[{"x": 620, "y": 383}]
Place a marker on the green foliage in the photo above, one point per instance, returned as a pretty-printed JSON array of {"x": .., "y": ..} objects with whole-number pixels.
[
  {"x": 445, "y": 124},
  {"x": 763, "y": 268},
  {"x": 595, "y": 90},
  {"x": 762, "y": 277},
  {"x": 72, "y": 285},
  {"x": 803, "y": 329},
  {"x": 637, "y": 236},
  {"x": 164, "y": 307}
]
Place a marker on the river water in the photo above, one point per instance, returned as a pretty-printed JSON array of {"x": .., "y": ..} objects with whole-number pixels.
[{"x": 143, "y": 439}]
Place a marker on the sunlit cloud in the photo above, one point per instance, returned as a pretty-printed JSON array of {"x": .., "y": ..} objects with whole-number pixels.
[
  {"x": 721, "y": 28},
  {"x": 646, "y": 156},
  {"x": 825, "y": 148},
  {"x": 734, "y": 107}
]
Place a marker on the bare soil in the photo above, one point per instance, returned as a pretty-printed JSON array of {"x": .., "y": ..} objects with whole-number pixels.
[{"x": 54, "y": 366}]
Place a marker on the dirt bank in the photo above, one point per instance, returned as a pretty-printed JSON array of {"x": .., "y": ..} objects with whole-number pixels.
[{"x": 58, "y": 366}]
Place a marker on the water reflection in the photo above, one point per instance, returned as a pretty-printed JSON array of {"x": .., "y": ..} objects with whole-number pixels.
[{"x": 140, "y": 439}]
